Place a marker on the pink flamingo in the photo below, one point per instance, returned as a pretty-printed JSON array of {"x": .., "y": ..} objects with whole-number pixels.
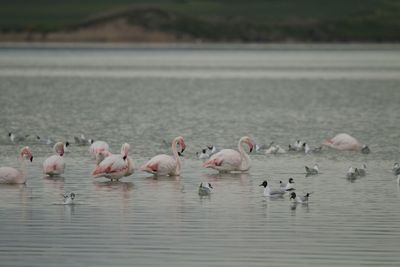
[
  {"x": 98, "y": 146},
  {"x": 342, "y": 141},
  {"x": 228, "y": 160},
  {"x": 165, "y": 164},
  {"x": 114, "y": 167},
  {"x": 10, "y": 175},
  {"x": 55, "y": 164}
]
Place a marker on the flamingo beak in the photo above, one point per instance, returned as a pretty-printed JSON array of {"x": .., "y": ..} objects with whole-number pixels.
[
  {"x": 183, "y": 146},
  {"x": 124, "y": 157},
  {"x": 251, "y": 146},
  {"x": 31, "y": 158}
]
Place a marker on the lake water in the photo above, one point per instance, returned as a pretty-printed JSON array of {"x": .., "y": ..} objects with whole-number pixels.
[{"x": 146, "y": 97}]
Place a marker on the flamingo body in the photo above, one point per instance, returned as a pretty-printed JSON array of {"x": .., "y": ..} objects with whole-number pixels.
[
  {"x": 228, "y": 160},
  {"x": 164, "y": 164},
  {"x": 114, "y": 167},
  {"x": 54, "y": 165},
  {"x": 9, "y": 175},
  {"x": 161, "y": 165},
  {"x": 342, "y": 141}
]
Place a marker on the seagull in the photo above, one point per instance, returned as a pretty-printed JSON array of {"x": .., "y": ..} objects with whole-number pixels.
[
  {"x": 396, "y": 169},
  {"x": 363, "y": 170},
  {"x": 205, "y": 189},
  {"x": 271, "y": 193},
  {"x": 203, "y": 154},
  {"x": 312, "y": 171},
  {"x": 82, "y": 141},
  {"x": 212, "y": 149},
  {"x": 352, "y": 173},
  {"x": 299, "y": 199},
  {"x": 306, "y": 148},
  {"x": 69, "y": 198},
  {"x": 44, "y": 140},
  {"x": 15, "y": 137},
  {"x": 288, "y": 186},
  {"x": 275, "y": 149},
  {"x": 298, "y": 145},
  {"x": 365, "y": 149}
]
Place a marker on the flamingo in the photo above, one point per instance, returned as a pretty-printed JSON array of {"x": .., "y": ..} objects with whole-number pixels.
[
  {"x": 55, "y": 165},
  {"x": 165, "y": 164},
  {"x": 228, "y": 160},
  {"x": 114, "y": 167},
  {"x": 342, "y": 141},
  {"x": 98, "y": 146},
  {"x": 10, "y": 175}
]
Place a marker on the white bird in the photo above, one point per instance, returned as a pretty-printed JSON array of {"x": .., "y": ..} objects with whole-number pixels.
[
  {"x": 69, "y": 198},
  {"x": 363, "y": 170},
  {"x": 98, "y": 146},
  {"x": 298, "y": 145},
  {"x": 213, "y": 149},
  {"x": 306, "y": 148},
  {"x": 166, "y": 164},
  {"x": 205, "y": 189},
  {"x": 365, "y": 149},
  {"x": 228, "y": 160},
  {"x": 299, "y": 199},
  {"x": 203, "y": 154},
  {"x": 288, "y": 186},
  {"x": 396, "y": 169},
  {"x": 352, "y": 173},
  {"x": 312, "y": 171},
  {"x": 275, "y": 149},
  {"x": 16, "y": 137},
  {"x": 268, "y": 192},
  {"x": 82, "y": 141},
  {"x": 342, "y": 141},
  {"x": 55, "y": 164},
  {"x": 114, "y": 167}
]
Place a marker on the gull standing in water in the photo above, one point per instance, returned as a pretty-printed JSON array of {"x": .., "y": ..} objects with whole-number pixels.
[
  {"x": 268, "y": 192},
  {"x": 352, "y": 173},
  {"x": 205, "y": 189},
  {"x": 396, "y": 169},
  {"x": 16, "y": 137},
  {"x": 203, "y": 154},
  {"x": 69, "y": 198},
  {"x": 299, "y": 199},
  {"x": 312, "y": 171}
]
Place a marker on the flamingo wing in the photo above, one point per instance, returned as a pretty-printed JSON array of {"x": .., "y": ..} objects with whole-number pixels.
[
  {"x": 8, "y": 175},
  {"x": 226, "y": 157},
  {"x": 111, "y": 164},
  {"x": 54, "y": 165},
  {"x": 160, "y": 164}
]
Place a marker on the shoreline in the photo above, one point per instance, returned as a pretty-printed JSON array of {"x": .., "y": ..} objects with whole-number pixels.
[{"x": 201, "y": 46}]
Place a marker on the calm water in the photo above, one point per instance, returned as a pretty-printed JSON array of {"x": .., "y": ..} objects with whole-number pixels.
[{"x": 210, "y": 96}]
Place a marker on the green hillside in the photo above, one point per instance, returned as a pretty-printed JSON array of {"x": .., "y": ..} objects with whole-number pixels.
[{"x": 223, "y": 20}]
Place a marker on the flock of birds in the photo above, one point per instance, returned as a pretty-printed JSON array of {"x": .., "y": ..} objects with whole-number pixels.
[{"x": 116, "y": 166}]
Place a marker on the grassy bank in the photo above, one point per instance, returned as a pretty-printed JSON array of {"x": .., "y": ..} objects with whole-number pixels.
[{"x": 202, "y": 20}]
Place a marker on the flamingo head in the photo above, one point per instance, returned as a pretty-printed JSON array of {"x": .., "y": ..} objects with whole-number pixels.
[
  {"x": 181, "y": 142},
  {"x": 26, "y": 153},
  {"x": 247, "y": 140},
  {"x": 59, "y": 148},
  {"x": 125, "y": 150}
]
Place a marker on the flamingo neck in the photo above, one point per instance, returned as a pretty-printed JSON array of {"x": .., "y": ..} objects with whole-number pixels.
[
  {"x": 176, "y": 156},
  {"x": 245, "y": 158},
  {"x": 22, "y": 167}
]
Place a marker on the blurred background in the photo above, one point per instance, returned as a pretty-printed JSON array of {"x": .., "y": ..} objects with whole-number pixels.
[{"x": 257, "y": 21}]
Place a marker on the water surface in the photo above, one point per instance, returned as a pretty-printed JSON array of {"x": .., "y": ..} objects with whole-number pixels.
[{"x": 210, "y": 96}]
